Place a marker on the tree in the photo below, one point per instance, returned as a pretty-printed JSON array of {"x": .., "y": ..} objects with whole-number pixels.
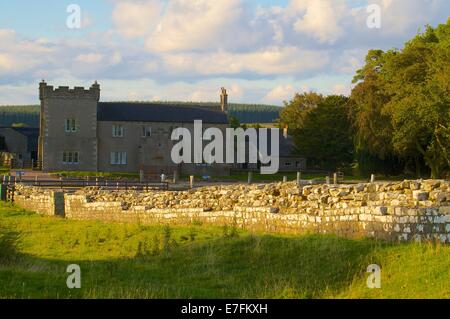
[
  {"x": 401, "y": 105},
  {"x": 418, "y": 78},
  {"x": 295, "y": 111},
  {"x": 325, "y": 137},
  {"x": 234, "y": 121}
]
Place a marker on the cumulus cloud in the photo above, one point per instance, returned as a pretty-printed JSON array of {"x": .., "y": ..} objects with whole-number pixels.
[
  {"x": 196, "y": 25},
  {"x": 136, "y": 18},
  {"x": 283, "y": 93},
  {"x": 268, "y": 61},
  {"x": 18, "y": 56},
  {"x": 201, "y": 45},
  {"x": 320, "y": 18}
]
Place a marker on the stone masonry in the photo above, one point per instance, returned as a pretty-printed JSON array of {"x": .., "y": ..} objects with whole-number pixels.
[{"x": 398, "y": 211}]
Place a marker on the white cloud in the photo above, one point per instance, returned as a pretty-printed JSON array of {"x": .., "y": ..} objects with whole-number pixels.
[
  {"x": 136, "y": 18},
  {"x": 283, "y": 93},
  {"x": 89, "y": 58},
  {"x": 273, "y": 60},
  {"x": 188, "y": 49},
  {"x": 342, "y": 89},
  {"x": 196, "y": 25},
  {"x": 20, "y": 55},
  {"x": 403, "y": 16},
  {"x": 320, "y": 18}
]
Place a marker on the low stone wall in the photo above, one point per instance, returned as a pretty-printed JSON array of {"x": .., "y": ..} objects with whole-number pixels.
[
  {"x": 42, "y": 201},
  {"x": 408, "y": 210}
]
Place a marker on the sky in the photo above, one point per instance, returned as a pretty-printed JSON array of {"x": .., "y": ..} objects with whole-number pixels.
[{"x": 262, "y": 51}]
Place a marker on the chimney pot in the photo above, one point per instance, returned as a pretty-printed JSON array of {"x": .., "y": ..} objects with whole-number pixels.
[{"x": 224, "y": 100}]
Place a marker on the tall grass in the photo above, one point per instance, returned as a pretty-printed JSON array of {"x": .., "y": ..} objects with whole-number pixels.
[{"x": 199, "y": 261}]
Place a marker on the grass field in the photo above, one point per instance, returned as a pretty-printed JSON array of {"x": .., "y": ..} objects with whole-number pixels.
[
  {"x": 197, "y": 261},
  {"x": 80, "y": 174}
]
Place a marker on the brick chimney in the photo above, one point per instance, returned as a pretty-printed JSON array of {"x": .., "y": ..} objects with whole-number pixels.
[{"x": 224, "y": 100}]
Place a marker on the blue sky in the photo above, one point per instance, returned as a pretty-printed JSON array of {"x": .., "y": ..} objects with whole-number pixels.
[{"x": 263, "y": 51}]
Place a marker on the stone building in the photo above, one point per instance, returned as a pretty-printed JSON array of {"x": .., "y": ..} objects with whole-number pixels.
[
  {"x": 19, "y": 144},
  {"x": 79, "y": 133},
  {"x": 289, "y": 161}
]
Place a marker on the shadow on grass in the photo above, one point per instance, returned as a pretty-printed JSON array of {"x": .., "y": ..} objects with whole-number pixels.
[{"x": 248, "y": 266}]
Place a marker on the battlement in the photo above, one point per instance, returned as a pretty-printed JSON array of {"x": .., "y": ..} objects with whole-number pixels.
[{"x": 64, "y": 92}]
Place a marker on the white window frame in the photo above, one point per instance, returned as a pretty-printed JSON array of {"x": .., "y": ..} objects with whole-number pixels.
[
  {"x": 71, "y": 158},
  {"x": 118, "y": 158},
  {"x": 117, "y": 130},
  {"x": 70, "y": 125},
  {"x": 146, "y": 131}
]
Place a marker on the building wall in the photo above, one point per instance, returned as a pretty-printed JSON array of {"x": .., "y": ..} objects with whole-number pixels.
[
  {"x": 57, "y": 106},
  {"x": 17, "y": 144},
  {"x": 148, "y": 153},
  {"x": 291, "y": 164}
]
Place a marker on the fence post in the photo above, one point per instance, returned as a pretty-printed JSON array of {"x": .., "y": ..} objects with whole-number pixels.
[
  {"x": 141, "y": 176},
  {"x": 372, "y": 178},
  {"x": 175, "y": 177},
  {"x": 96, "y": 182},
  {"x": 250, "y": 178},
  {"x": 191, "y": 181},
  {"x": 36, "y": 180},
  {"x": 335, "y": 178},
  {"x": 328, "y": 180},
  {"x": 285, "y": 179},
  {"x": 299, "y": 178}
]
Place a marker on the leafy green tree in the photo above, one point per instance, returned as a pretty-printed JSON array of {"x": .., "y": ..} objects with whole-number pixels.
[
  {"x": 401, "y": 105},
  {"x": 325, "y": 137},
  {"x": 295, "y": 111},
  {"x": 234, "y": 121},
  {"x": 418, "y": 78}
]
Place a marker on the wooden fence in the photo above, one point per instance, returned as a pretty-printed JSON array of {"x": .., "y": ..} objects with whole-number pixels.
[
  {"x": 10, "y": 182},
  {"x": 22, "y": 164}
]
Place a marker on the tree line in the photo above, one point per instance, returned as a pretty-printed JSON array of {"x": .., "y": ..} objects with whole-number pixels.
[{"x": 396, "y": 120}]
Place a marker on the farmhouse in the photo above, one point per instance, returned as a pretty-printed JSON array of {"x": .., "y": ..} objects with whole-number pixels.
[{"x": 79, "y": 133}]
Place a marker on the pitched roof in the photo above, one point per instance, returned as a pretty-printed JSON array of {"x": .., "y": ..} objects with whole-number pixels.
[{"x": 153, "y": 112}]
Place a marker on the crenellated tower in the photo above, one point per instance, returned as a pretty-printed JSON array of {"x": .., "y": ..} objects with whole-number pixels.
[{"x": 68, "y": 127}]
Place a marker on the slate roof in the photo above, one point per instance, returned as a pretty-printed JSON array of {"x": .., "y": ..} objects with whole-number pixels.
[{"x": 152, "y": 112}]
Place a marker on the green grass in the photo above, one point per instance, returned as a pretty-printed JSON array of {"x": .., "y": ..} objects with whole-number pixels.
[
  {"x": 292, "y": 176},
  {"x": 4, "y": 170},
  {"x": 80, "y": 174},
  {"x": 198, "y": 261}
]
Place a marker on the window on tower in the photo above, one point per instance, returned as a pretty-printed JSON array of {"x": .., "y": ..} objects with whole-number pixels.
[{"x": 70, "y": 125}]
